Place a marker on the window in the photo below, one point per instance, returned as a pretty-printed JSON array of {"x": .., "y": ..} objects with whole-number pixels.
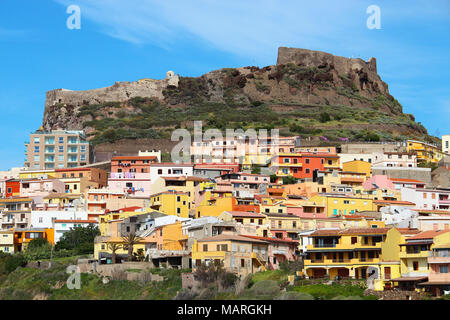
[
  {"x": 306, "y": 161},
  {"x": 443, "y": 269},
  {"x": 354, "y": 240},
  {"x": 307, "y": 171},
  {"x": 242, "y": 263},
  {"x": 36, "y": 149},
  {"x": 60, "y": 148},
  {"x": 205, "y": 248},
  {"x": 346, "y": 202},
  {"x": 159, "y": 171},
  {"x": 37, "y": 158},
  {"x": 415, "y": 265},
  {"x": 37, "y": 140},
  {"x": 178, "y": 210},
  {"x": 61, "y": 139}
]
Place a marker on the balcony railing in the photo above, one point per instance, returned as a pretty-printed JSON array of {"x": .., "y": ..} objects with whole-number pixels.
[{"x": 324, "y": 245}]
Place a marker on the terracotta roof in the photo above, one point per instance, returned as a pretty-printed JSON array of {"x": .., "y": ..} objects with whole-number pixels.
[
  {"x": 184, "y": 178},
  {"x": 410, "y": 278},
  {"x": 126, "y": 209},
  {"x": 349, "y": 231},
  {"x": 408, "y": 231},
  {"x": 395, "y": 202},
  {"x": 406, "y": 180},
  {"x": 168, "y": 192},
  {"x": 245, "y": 214},
  {"x": 171, "y": 164},
  {"x": 75, "y": 221},
  {"x": 134, "y": 158},
  {"x": 430, "y": 234},
  {"x": 74, "y": 169},
  {"x": 289, "y": 240},
  {"x": 225, "y": 237}
]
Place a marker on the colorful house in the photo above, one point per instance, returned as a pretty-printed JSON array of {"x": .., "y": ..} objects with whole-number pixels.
[
  {"x": 171, "y": 203},
  {"x": 7, "y": 241},
  {"x": 337, "y": 204},
  {"x": 240, "y": 255},
  {"x": 414, "y": 255},
  {"x": 358, "y": 253},
  {"x": 439, "y": 276},
  {"x": 23, "y": 236}
]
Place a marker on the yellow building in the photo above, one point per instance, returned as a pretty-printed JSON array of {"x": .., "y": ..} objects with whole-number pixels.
[
  {"x": 106, "y": 219},
  {"x": 357, "y": 253},
  {"x": 189, "y": 185},
  {"x": 7, "y": 241},
  {"x": 358, "y": 166},
  {"x": 414, "y": 253},
  {"x": 214, "y": 203},
  {"x": 173, "y": 203},
  {"x": 283, "y": 225},
  {"x": 425, "y": 152},
  {"x": 343, "y": 205},
  {"x": 37, "y": 174},
  {"x": 239, "y": 254}
]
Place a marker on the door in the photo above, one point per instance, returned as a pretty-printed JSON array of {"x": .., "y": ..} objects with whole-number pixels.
[{"x": 387, "y": 273}]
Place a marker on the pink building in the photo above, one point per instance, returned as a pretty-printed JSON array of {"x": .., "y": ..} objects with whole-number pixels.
[
  {"x": 243, "y": 184},
  {"x": 41, "y": 188},
  {"x": 279, "y": 250},
  {"x": 378, "y": 181},
  {"x": 439, "y": 276}
]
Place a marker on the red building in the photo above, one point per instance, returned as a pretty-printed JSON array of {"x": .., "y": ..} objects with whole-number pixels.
[
  {"x": 303, "y": 165},
  {"x": 12, "y": 188},
  {"x": 137, "y": 164}
]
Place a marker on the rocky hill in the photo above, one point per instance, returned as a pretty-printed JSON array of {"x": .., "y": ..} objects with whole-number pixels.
[{"x": 309, "y": 93}]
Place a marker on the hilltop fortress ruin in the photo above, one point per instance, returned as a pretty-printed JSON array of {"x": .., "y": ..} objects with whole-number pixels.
[{"x": 120, "y": 91}]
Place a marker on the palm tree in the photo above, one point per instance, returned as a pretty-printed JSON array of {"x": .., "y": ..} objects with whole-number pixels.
[
  {"x": 114, "y": 247},
  {"x": 129, "y": 241}
]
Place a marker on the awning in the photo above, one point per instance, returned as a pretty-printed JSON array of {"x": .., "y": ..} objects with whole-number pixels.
[
  {"x": 405, "y": 279},
  {"x": 367, "y": 249},
  {"x": 416, "y": 243},
  {"x": 325, "y": 250},
  {"x": 435, "y": 283}
]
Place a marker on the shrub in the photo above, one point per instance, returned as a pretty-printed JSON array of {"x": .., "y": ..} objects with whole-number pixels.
[
  {"x": 265, "y": 289},
  {"x": 289, "y": 180},
  {"x": 37, "y": 243},
  {"x": 324, "y": 117},
  {"x": 292, "y": 295}
]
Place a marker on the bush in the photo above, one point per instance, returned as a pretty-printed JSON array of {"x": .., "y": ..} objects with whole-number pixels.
[
  {"x": 265, "y": 289},
  {"x": 185, "y": 294},
  {"x": 289, "y": 180},
  {"x": 37, "y": 243},
  {"x": 9, "y": 262},
  {"x": 324, "y": 117},
  {"x": 327, "y": 292},
  {"x": 292, "y": 295}
]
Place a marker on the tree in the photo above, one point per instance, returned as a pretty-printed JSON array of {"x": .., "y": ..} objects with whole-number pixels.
[
  {"x": 256, "y": 170},
  {"x": 114, "y": 247},
  {"x": 37, "y": 243},
  {"x": 129, "y": 241},
  {"x": 289, "y": 180},
  {"x": 324, "y": 117},
  {"x": 80, "y": 239}
]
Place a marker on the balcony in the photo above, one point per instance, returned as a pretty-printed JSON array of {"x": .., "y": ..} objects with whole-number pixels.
[
  {"x": 354, "y": 261},
  {"x": 437, "y": 259},
  {"x": 415, "y": 254}
]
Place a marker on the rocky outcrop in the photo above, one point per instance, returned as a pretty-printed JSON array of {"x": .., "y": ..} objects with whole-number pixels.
[{"x": 302, "y": 85}]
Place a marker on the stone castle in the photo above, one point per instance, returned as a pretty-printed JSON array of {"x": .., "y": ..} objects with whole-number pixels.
[{"x": 120, "y": 91}]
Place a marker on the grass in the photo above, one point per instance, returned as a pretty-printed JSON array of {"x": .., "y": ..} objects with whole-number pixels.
[
  {"x": 328, "y": 292},
  {"x": 28, "y": 283}
]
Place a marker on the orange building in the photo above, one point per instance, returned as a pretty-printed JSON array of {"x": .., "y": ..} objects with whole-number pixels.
[{"x": 23, "y": 236}]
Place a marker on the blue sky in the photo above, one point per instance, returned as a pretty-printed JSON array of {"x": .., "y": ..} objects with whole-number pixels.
[{"x": 133, "y": 39}]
